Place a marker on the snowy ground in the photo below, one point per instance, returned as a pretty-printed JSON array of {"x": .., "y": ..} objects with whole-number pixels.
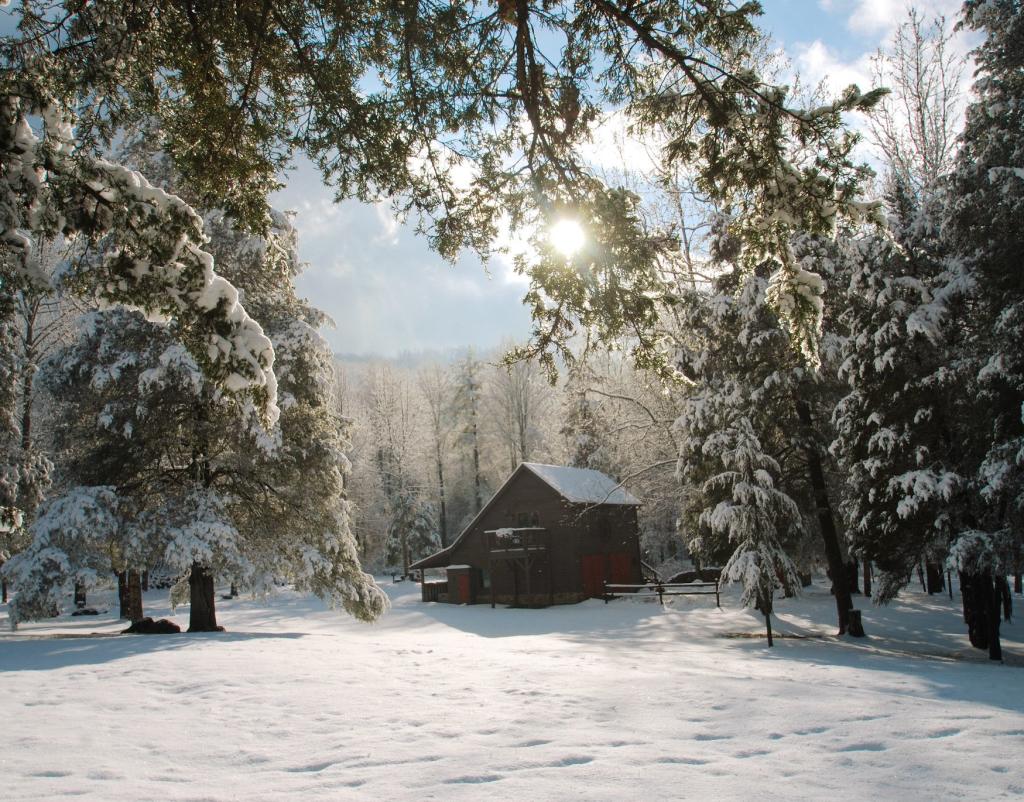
[{"x": 589, "y": 702}]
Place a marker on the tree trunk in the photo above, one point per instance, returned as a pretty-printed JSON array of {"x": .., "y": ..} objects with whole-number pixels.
[
  {"x": 934, "y": 579},
  {"x": 826, "y": 520},
  {"x": 765, "y": 606},
  {"x": 3, "y": 591},
  {"x": 852, "y": 573},
  {"x": 26, "y": 383},
  {"x": 443, "y": 518},
  {"x": 145, "y": 581},
  {"x": 80, "y": 600},
  {"x": 995, "y": 648},
  {"x": 122, "y": 595},
  {"x": 867, "y": 578},
  {"x": 133, "y": 596},
  {"x": 477, "y": 483},
  {"x": 1003, "y": 594},
  {"x": 981, "y": 612},
  {"x": 202, "y": 615},
  {"x": 1018, "y": 584}
]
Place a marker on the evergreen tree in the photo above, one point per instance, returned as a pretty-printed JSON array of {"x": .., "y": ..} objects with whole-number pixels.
[
  {"x": 900, "y": 432},
  {"x": 202, "y": 485},
  {"x": 986, "y": 205},
  {"x": 751, "y": 515},
  {"x": 582, "y": 427},
  {"x": 412, "y": 532},
  {"x": 741, "y": 366},
  {"x": 75, "y": 537}
]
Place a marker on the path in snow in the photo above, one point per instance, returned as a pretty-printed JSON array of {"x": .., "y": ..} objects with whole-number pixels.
[{"x": 588, "y": 702}]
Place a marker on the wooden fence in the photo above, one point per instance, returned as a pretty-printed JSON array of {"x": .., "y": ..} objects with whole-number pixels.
[{"x": 663, "y": 589}]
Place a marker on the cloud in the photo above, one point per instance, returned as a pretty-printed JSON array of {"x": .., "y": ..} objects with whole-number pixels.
[
  {"x": 387, "y": 292},
  {"x": 817, "y": 64},
  {"x": 613, "y": 145},
  {"x": 389, "y": 223},
  {"x": 875, "y": 16},
  {"x": 882, "y": 17}
]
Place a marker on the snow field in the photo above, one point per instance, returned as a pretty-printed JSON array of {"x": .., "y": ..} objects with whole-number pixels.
[{"x": 587, "y": 702}]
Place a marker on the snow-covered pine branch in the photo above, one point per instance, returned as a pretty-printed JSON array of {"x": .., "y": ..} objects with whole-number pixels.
[{"x": 148, "y": 246}]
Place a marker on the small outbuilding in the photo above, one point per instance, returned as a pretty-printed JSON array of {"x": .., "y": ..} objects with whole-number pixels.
[{"x": 550, "y": 535}]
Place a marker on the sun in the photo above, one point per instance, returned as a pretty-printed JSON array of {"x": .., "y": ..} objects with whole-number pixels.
[{"x": 567, "y": 237}]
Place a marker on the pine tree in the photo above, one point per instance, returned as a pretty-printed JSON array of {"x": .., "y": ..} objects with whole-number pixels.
[
  {"x": 751, "y": 515},
  {"x": 582, "y": 428},
  {"x": 202, "y": 485},
  {"x": 74, "y": 537},
  {"x": 740, "y": 365},
  {"x": 900, "y": 434},
  {"x": 412, "y": 532},
  {"x": 986, "y": 205}
]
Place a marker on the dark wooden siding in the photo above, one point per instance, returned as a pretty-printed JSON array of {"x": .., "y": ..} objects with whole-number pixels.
[{"x": 574, "y": 531}]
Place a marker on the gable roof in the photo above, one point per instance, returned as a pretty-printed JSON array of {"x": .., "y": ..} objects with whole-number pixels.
[
  {"x": 575, "y": 485},
  {"x": 583, "y": 485}
]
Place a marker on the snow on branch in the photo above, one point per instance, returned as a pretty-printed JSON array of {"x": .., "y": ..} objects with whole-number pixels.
[
  {"x": 150, "y": 253},
  {"x": 70, "y": 544}
]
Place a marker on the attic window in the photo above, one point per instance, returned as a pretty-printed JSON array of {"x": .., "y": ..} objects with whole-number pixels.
[{"x": 524, "y": 519}]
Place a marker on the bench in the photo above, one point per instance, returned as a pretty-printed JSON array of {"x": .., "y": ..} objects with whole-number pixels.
[{"x": 662, "y": 589}]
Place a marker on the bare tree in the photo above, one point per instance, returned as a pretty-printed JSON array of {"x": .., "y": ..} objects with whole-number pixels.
[
  {"x": 519, "y": 395},
  {"x": 915, "y": 127},
  {"x": 437, "y": 386}
]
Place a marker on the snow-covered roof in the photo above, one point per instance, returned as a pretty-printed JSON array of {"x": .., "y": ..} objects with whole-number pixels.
[
  {"x": 575, "y": 485},
  {"x": 583, "y": 485}
]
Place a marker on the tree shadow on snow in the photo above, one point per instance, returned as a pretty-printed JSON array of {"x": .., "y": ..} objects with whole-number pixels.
[
  {"x": 590, "y": 620},
  {"x": 48, "y": 652},
  {"x": 911, "y": 641}
]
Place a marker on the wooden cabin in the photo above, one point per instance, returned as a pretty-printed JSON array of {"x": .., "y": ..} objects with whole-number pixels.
[{"x": 550, "y": 535}]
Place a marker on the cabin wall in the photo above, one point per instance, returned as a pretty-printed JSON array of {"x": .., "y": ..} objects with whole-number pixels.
[{"x": 581, "y": 542}]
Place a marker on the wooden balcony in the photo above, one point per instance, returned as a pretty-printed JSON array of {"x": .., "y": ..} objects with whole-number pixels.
[{"x": 517, "y": 542}]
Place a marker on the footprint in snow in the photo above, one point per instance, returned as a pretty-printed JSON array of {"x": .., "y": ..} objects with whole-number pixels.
[
  {"x": 312, "y": 768},
  {"x": 867, "y": 746},
  {"x": 685, "y": 761},
  {"x": 473, "y": 779},
  {"x": 945, "y": 733},
  {"x": 571, "y": 761}
]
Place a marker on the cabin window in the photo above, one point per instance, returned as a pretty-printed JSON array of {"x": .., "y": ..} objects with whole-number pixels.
[{"x": 524, "y": 519}]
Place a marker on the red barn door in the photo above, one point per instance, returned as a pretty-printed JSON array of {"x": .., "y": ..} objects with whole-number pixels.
[
  {"x": 464, "y": 596},
  {"x": 592, "y": 567},
  {"x": 621, "y": 569}
]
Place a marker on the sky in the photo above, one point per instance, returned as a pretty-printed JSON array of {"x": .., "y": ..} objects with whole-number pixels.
[{"x": 388, "y": 294}]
